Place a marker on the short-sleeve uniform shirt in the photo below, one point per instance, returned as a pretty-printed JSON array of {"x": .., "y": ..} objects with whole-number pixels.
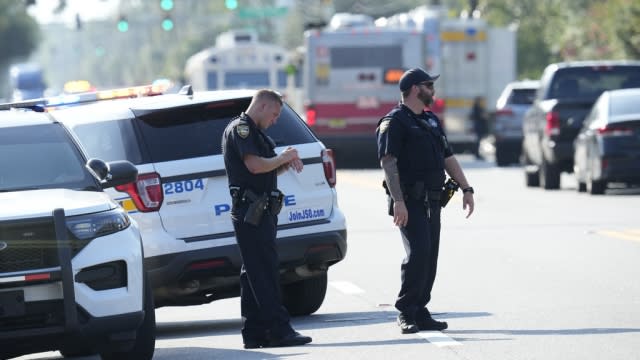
[
  {"x": 242, "y": 137},
  {"x": 418, "y": 142}
]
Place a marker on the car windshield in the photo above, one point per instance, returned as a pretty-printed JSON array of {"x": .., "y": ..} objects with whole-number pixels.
[
  {"x": 40, "y": 156},
  {"x": 522, "y": 96}
]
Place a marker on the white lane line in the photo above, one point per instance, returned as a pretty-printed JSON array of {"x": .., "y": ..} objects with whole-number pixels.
[
  {"x": 346, "y": 287},
  {"x": 438, "y": 339}
]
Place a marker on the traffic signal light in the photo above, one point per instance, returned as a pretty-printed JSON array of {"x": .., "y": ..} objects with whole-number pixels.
[
  {"x": 123, "y": 24},
  {"x": 166, "y": 5},
  {"x": 231, "y": 4},
  {"x": 167, "y": 23}
]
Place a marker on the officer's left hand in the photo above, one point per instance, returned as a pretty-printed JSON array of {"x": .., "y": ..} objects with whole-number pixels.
[
  {"x": 296, "y": 164},
  {"x": 467, "y": 201}
]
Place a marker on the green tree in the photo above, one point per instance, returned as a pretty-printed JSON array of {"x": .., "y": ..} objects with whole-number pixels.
[{"x": 19, "y": 36}]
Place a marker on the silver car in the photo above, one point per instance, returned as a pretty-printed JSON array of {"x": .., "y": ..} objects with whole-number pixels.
[{"x": 514, "y": 101}]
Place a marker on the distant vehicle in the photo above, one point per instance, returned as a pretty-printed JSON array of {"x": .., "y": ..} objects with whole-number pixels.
[
  {"x": 607, "y": 149},
  {"x": 351, "y": 72},
  {"x": 514, "y": 101},
  {"x": 27, "y": 82},
  {"x": 567, "y": 93},
  {"x": 351, "y": 80},
  {"x": 240, "y": 61}
]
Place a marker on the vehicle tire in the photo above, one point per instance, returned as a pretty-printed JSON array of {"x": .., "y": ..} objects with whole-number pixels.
[
  {"x": 582, "y": 187},
  {"x": 145, "y": 335},
  {"x": 549, "y": 176},
  {"x": 77, "y": 350},
  {"x": 304, "y": 297},
  {"x": 532, "y": 179},
  {"x": 502, "y": 158},
  {"x": 596, "y": 187}
]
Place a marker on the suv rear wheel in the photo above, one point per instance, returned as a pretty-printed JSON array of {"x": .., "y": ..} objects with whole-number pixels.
[
  {"x": 304, "y": 297},
  {"x": 549, "y": 176}
]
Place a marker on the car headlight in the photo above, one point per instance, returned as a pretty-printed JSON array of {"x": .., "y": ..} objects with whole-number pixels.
[{"x": 91, "y": 226}]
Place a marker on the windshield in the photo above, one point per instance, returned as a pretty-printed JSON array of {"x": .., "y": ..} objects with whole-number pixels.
[{"x": 39, "y": 157}]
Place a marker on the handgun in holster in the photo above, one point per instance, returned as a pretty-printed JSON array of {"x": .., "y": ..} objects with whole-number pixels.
[
  {"x": 276, "y": 198},
  {"x": 450, "y": 187},
  {"x": 257, "y": 206}
]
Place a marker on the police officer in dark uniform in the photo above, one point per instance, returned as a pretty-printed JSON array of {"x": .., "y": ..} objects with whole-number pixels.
[
  {"x": 253, "y": 166},
  {"x": 414, "y": 155}
]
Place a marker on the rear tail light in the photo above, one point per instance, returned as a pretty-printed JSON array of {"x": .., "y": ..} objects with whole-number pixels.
[
  {"x": 553, "y": 123},
  {"x": 146, "y": 192},
  {"x": 504, "y": 112},
  {"x": 609, "y": 130},
  {"x": 329, "y": 166},
  {"x": 311, "y": 116}
]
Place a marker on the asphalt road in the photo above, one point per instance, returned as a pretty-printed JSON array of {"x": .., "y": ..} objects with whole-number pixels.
[{"x": 532, "y": 274}]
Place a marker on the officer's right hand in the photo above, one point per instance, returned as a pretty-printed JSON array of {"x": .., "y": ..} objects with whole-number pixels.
[
  {"x": 400, "y": 214},
  {"x": 290, "y": 158}
]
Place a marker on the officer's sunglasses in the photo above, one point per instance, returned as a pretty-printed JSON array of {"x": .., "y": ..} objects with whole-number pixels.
[{"x": 428, "y": 84}]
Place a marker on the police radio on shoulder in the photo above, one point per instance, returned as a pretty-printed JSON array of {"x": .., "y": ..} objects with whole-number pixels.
[{"x": 468, "y": 189}]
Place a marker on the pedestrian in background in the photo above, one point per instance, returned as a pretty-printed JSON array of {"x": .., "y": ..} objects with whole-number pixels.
[
  {"x": 414, "y": 155},
  {"x": 480, "y": 120},
  {"x": 252, "y": 167}
]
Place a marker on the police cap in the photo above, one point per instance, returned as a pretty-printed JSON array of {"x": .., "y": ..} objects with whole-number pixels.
[{"x": 414, "y": 76}]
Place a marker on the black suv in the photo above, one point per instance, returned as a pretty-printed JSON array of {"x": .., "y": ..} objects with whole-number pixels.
[{"x": 566, "y": 94}]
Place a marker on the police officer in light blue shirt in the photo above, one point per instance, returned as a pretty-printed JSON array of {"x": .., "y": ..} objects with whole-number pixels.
[
  {"x": 414, "y": 154},
  {"x": 252, "y": 166}
]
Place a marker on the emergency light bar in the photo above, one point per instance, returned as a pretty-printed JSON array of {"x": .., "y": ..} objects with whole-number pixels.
[{"x": 43, "y": 104}]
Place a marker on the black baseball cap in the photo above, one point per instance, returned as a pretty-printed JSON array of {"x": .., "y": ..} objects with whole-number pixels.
[{"x": 414, "y": 76}]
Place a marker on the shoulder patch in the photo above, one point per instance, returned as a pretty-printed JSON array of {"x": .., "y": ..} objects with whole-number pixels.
[
  {"x": 242, "y": 130},
  {"x": 384, "y": 125}
]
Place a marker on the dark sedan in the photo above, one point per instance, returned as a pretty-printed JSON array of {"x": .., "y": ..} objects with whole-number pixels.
[{"x": 607, "y": 149}]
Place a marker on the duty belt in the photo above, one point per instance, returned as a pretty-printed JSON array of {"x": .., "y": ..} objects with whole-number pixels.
[
  {"x": 417, "y": 191},
  {"x": 274, "y": 197}
]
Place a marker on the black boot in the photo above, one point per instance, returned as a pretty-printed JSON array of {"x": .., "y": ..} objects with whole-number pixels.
[{"x": 407, "y": 324}]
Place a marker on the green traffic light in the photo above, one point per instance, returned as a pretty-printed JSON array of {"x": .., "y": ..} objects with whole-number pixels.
[
  {"x": 167, "y": 24},
  {"x": 166, "y": 5},
  {"x": 123, "y": 25},
  {"x": 231, "y": 4}
]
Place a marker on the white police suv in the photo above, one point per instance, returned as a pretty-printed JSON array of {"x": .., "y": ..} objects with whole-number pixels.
[
  {"x": 71, "y": 259},
  {"x": 181, "y": 199}
]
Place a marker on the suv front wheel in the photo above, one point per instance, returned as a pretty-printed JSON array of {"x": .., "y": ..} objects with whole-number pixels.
[
  {"x": 145, "y": 335},
  {"x": 304, "y": 297}
]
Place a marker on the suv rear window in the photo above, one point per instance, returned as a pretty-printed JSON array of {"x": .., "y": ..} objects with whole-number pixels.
[
  {"x": 588, "y": 82},
  {"x": 196, "y": 131},
  {"x": 522, "y": 96}
]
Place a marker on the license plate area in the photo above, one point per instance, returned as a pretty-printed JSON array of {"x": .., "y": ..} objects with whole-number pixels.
[{"x": 12, "y": 304}]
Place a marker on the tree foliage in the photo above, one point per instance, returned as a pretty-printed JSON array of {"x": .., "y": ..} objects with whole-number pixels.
[{"x": 19, "y": 35}]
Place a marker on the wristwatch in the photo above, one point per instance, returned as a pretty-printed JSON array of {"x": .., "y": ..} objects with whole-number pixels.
[{"x": 469, "y": 189}]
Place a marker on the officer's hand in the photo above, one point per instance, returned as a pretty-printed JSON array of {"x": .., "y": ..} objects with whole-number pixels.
[
  {"x": 296, "y": 164},
  {"x": 467, "y": 201},
  {"x": 400, "y": 213},
  {"x": 289, "y": 154}
]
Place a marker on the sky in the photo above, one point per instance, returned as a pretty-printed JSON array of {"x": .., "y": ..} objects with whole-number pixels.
[{"x": 87, "y": 9}]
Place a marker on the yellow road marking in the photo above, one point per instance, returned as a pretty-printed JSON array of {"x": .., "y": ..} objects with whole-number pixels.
[{"x": 632, "y": 234}]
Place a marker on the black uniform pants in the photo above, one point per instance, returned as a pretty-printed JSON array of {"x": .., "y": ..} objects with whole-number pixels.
[
  {"x": 260, "y": 296},
  {"x": 421, "y": 238}
]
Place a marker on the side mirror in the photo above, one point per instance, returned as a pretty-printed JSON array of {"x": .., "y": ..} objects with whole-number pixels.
[{"x": 113, "y": 173}]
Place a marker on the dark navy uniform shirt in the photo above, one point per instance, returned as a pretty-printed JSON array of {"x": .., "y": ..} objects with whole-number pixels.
[
  {"x": 242, "y": 137},
  {"x": 419, "y": 144}
]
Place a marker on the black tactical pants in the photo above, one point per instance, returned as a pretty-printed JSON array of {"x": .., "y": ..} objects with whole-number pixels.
[
  {"x": 421, "y": 238},
  {"x": 260, "y": 296}
]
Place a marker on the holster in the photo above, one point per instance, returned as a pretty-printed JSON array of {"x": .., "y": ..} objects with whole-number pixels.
[
  {"x": 257, "y": 206},
  {"x": 276, "y": 198}
]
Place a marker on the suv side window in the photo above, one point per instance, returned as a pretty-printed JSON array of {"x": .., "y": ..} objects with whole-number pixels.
[
  {"x": 196, "y": 131},
  {"x": 110, "y": 140}
]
